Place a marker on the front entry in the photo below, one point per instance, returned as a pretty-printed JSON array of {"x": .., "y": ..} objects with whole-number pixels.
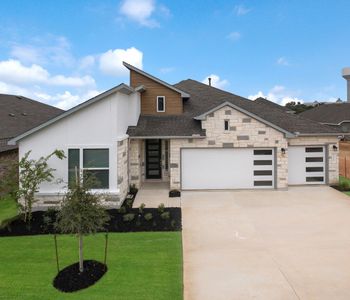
[{"x": 153, "y": 159}]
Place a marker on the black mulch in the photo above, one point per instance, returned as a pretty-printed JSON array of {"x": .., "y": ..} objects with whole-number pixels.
[
  {"x": 70, "y": 279},
  {"x": 123, "y": 220}
]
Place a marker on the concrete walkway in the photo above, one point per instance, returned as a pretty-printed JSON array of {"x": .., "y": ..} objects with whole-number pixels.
[
  {"x": 154, "y": 193},
  {"x": 266, "y": 244}
]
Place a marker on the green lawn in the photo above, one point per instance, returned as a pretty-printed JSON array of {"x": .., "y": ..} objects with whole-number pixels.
[
  {"x": 140, "y": 266},
  {"x": 8, "y": 210}
]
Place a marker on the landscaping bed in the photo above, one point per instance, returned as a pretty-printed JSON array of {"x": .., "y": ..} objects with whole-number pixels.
[
  {"x": 70, "y": 279},
  {"x": 122, "y": 220}
]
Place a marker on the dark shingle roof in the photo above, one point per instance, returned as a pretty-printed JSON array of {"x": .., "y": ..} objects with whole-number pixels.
[
  {"x": 271, "y": 104},
  {"x": 166, "y": 126},
  {"x": 19, "y": 114},
  {"x": 333, "y": 113},
  {"x": 204, "y": 98}
]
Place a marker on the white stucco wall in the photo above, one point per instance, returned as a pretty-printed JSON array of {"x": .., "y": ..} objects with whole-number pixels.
[{"x": 100, "y": 125}]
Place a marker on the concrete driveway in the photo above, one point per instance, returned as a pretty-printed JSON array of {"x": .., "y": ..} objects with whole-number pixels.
[{"x": 266, "y": 244}]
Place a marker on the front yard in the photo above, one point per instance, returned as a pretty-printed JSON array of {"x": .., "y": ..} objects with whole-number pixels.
[
  {"x": 144, "y": 265},
  {"x": 8, "y": 210}
]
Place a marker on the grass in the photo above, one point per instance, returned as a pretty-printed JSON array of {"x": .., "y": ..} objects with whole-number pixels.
[
  {"x": 145, "y": 265},
  {"x": 8, "y": 210}
]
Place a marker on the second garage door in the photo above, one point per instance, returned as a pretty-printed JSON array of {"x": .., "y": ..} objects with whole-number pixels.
[
  {"x": 227, "y": 168},
  {"x": 306, "y": 165}
]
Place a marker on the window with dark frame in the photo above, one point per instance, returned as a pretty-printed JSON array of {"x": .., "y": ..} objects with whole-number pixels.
[
  {"x": 95, "y": 162},
  {"x": 226, "y": 125},
  {"x": 160, "y": 104}
]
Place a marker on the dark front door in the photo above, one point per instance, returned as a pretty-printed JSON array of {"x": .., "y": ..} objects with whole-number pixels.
[{"x": 153, "y": 159}]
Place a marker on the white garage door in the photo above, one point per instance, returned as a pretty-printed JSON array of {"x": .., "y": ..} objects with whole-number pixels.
[
  {"x": 306, "y": 165},
  {"x": 227, "y": 168}
]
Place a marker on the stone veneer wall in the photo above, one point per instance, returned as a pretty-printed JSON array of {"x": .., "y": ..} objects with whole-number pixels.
[
  {"x": 122, "y": 169},
  {"x": 243, "y": 132},
  {"x": 330, "y": 141},
  {"x": 135, "y": 164}
]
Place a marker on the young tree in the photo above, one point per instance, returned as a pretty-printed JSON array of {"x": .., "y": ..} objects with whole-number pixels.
[
  {"x": 81, "y": 213},
  {"x": 31, "y": 174}
]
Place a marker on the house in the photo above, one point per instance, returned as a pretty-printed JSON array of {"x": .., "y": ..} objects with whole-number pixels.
[
  {"x": 17, "y": 115},
  {"x": 191, "y": 135},
  {"x": 336, "y": 115}
]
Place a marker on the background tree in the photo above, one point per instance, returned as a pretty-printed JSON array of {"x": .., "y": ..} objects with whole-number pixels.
[
  {"x": 81, "y": 212},
  {"x": 31, "y": 174}
]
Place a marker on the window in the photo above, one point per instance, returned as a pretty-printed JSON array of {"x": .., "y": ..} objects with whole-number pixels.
[
  {"x": 262, "y": 172},
  {"x": 262, "y": 162},
  {"x": 226, "y": 124},
  {"x": 314, "y": 159},
  {"x": 314, "y": 179},
  {"x": 95, "y": 163},
  {"x": 314, "y": 169},
  {"x": 263, "y": 152},
  {"x": 263, "y": 183},
  {"x": 161, "y": 104},
  {"x": 73, "y": 165},
  {"x": 314, "y": 149}
]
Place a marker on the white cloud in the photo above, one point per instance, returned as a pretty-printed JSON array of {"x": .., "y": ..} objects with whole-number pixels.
[
  {"x": 140, "y": 11},
  {"x": 14, "y": 72},
  {"x": 282, "y": 61},
  {"x": 216, "y": 81},
  {"x": 111, "y": 62},
  {"x": 241, "y": 10},
  {"x": 49, "y": 49},
  {"x": 234, "y": 36},
  {"x": 86, "y": 62},
  {"x": 278, "y": 94},
  {"x": 67, "y": 100}
]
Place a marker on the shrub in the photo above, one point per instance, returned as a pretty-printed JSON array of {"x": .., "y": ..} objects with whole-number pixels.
[
  {"x": 173, "y": 223},
  {"x": 122, "y": 210},
  {"x": 128, "y": 217},
  {"x": 133, "y": 189},
  {"x": 129, "y": 202},
  {"x": 344, "y": 186},
  {"x": 165, "y": 215},
  {"x": 142, "y": 207},
  {"x": 161, "y": 208},
  {"x": 148, "y": 216}
]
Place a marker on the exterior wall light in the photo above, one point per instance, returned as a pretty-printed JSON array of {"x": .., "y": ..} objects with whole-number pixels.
[
  {"x": 335, "y": 148},
  {"x": 283, "y": 151}
]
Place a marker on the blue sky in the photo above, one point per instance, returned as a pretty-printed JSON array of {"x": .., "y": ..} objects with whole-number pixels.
[{"x": 64, "y": 52}]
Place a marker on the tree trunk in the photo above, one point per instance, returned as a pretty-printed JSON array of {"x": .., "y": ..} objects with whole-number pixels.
[{"x": 81, "y": 259}]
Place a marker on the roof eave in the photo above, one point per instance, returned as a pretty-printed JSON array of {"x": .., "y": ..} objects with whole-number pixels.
[
  {"x": 203, "y": 117},
  {"x": 182, "y": 93}
]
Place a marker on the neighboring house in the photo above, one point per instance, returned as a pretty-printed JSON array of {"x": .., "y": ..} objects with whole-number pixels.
[
  {"x": 191, "y": 135},
  {"x": 336, "y": 115},
  {"x": 17, "y": 115}
]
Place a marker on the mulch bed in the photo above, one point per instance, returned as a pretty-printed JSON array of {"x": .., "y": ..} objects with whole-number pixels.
[
  {"x": 340, "y": 189},
  {"x": 42, "y": 222},
  {"x": 70, "y": 279}
]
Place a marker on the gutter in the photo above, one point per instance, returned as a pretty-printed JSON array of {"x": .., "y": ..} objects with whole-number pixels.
[{"x": 168, "y": 137}]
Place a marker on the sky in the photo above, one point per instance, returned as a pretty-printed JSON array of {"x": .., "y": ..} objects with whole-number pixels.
[{"x": 65, "y": 52}]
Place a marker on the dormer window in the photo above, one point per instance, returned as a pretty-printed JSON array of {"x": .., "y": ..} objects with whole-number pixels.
[{"x": 160, "y": 103}]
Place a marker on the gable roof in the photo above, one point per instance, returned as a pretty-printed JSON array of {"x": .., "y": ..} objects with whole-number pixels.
[
  {"x": 333, "y": 113},
  {"x": 123, "y": 88},
  {"x": 204, "y": 98},
  {"x": 130, "y": 67},
  {"x": 227, "y": 103},
  {"x": 271, "y": 104},
  {"x": 19, "y": 114}
]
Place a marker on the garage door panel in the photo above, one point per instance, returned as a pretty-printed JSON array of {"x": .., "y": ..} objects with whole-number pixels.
[
  {"x": 306, "y": 165},
  {"x": 225, "y": 169}
]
